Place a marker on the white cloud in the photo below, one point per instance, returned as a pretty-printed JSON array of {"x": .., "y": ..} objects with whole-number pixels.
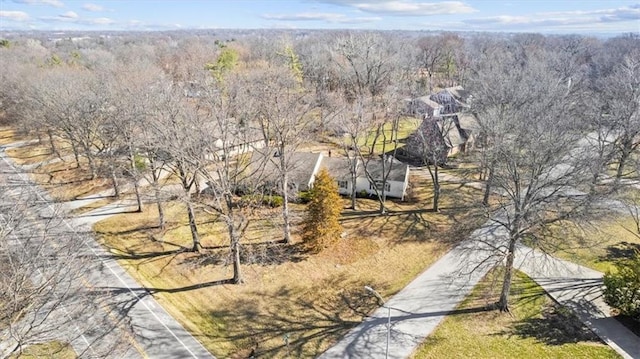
[
  {"x": 93, "y": 7},
  {"x": 407, "y": 7},
  {"x": 54, "y": 3},
  {"x": 14, "y": 15},
  {"x": 308, "y": 16},
  {"x": 327, "y": 17},
  {"x": 568, "y": 19},
  {"x": 69, "y": 15},
  {"x": 359, "y": 20},
  {"x": 100, "y": 21}
]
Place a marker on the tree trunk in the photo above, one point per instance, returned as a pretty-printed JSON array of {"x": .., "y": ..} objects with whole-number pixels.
[
  {"x": 193, "y": 227},
  {"x": 435, "y": 178},
  {"x": 285, "y": 198},
  {"x": 353, "y": 191},
  {"x": 76, "y": 155},
  {"x": 54, "y": 149},
  {"x": 92, "y": 165},
  {"x": 160, "y": 210},
  {"x": 114, "y": 181},
  {"x": 626, "y": 151},
  {"x": 134, "y": 174},
  {"x": 155, "y": 177},
  {"x": 235, "y": 251},
  {"x": 136, "y": 188},
  {"x": 503, "y": 303},
  {"x": 487, "y": 186}
]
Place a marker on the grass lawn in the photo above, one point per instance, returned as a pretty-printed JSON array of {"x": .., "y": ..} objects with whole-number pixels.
[
  {"x": 538, "y": 328},
  {"x": 597, "y": 246},
  {"x": 406, "y": 126},
  {"x": 52, "y": 350},
  {"x": 310, "y": 299}
]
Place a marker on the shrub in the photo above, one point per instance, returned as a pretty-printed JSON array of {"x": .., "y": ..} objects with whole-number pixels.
[
  {"x": 622, "y": 288},
  {"x": 304, "y": 197},
  {"x": 362, "y": 194},
  {"x": 272, "y": 201},
  {"x": 140, "y": 162}
]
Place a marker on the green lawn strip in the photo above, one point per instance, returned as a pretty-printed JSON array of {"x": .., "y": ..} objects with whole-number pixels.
[
  {"x": 537, "y": 327},
  {"x": 598, "y": 246},
  {"x": 406, "y": 126}
]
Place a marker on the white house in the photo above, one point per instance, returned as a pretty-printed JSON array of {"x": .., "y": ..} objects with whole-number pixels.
[
  {"x": 304, "y": 166},
  {"x": 395, "y": 186}
]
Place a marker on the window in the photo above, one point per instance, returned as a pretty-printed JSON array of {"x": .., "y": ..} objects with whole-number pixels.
[
  {"x": 343, "y": 184},
  {"x": 378, "y": 185}
]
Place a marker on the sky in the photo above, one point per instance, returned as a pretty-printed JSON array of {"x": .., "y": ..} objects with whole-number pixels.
[{"x": 548, "y": 17}]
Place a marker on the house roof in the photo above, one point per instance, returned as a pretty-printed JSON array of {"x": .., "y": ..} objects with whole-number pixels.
[
  {"x": 428, "y": 101},
  {"x": 397, "y": 172},
  {"x": 301, "y": 165},
  {"x": 459, "y": 93},
  {"x": 450, "y": 131},
  {"x": 468, "y": 122},
  {"x": 456, "y": 94},
  {"x": 338, "y": 167}
]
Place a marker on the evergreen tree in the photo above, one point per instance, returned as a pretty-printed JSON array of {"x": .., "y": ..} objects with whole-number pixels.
[{"x": 321, "y": 224}]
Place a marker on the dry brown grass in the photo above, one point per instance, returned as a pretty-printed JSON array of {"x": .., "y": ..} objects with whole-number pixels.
[
  {"x": 50, "y": 350},
  {"x": 65, "y": 181},
  {"x": 10, "y": 135},
  {"x": 34, "y": 153},
  {"x": 310, "y": 299}
]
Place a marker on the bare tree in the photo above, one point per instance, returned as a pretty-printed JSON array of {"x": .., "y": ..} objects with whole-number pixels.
[
  {"x": 282, "y": 107},
  {"x": 228, "y": 169},
  {"x": 43, "y": 268},
  {"x": 540, "y": 165},
  {"x": 429, "y": 145},
  {"x": 175, "y": 127},
  {"x": 620, "y": 92},
  {"x": 367, "y": 67}
]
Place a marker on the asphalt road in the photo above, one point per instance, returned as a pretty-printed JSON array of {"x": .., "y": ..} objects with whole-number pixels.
[{"x": 127, "y": 321}]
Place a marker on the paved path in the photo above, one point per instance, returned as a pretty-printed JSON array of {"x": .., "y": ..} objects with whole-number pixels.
[
  {"x": 153, "y": 332},
  {"x": 420, "y": 306}
]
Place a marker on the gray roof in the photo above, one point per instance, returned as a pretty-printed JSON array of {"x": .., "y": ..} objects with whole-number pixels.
[
  {"x": 428, "y": 101},
  {"x": 299, "y": 164},
  {"x": 397, "y": 173},
  {"x": 459, "y": 93},
  {"x": 450, "y": 131},
  {"x": 338, "y": 167},
  {"x": 468, "y": 122}
]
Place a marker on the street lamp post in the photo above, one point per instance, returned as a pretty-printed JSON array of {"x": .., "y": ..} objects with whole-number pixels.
[{"x": 384, "y": 305}]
